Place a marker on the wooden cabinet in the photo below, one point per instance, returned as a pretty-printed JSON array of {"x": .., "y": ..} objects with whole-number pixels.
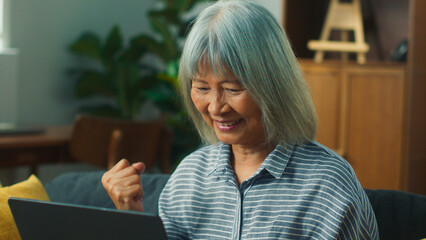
[
  {"x": 361, "y": 117},
  {"x": 415, "y": 129},
  {"x": 374, "y": 115}
]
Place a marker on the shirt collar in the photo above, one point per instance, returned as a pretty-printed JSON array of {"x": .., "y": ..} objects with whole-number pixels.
[
  {"x": 222, "y": 165},
  {"x": 275, "y": 162}
]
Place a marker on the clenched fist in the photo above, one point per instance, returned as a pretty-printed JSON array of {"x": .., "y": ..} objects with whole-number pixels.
[{"x": 123, "y": 185}]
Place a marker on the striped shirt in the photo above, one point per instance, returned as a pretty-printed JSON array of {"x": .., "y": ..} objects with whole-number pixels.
[{"x": 299, "y": 192}]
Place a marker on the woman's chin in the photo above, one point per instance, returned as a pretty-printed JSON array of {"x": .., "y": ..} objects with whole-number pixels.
[{"x": 227, "y": 139}]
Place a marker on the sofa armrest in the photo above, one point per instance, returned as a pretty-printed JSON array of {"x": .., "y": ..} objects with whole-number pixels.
[{"x": 85, "y": 188}]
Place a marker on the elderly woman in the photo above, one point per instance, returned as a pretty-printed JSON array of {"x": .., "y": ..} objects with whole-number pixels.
[{"x": 263, "y": 176}]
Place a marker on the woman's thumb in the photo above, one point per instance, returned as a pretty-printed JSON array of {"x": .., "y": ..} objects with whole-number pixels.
[{"x": 139, "y": 167}]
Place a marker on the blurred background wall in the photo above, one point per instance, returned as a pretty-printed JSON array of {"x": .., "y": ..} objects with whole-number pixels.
[{"x": 41, "y": 30}]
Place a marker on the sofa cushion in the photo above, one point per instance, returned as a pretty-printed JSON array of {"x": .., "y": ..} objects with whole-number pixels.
[
  {"x": 85, "y": 188},
  {"x": 30, "y": 188}
]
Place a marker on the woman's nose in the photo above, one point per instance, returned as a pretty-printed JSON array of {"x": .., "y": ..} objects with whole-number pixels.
[{"x": 217, "y": 104}]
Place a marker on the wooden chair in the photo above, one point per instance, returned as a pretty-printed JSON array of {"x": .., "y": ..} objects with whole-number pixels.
[{"x": 104, "y": 141}]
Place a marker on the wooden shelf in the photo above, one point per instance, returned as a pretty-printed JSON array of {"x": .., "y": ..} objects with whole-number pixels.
[{"x": 375, "y": 114}]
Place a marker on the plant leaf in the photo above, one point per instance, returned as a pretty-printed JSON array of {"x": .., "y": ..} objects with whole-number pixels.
[
  {"x": 153, "y": 46},
  {"x": 88, "y": 45},
  {"x": 113, "y": 44},
  {"x": 169, "y": 45},
  {"x": 135, "y": 51},
  {"x": 104, "y": 110},
  {"x": 161, "y": 26},
  {"x": 191, "y": 3},
  {"x": 181, "y": 5},
  {"x": 169, "y": 14},
  {"x": 92, "y": 84},
  {"x": 186, "y": 26},
  {"x": 164, "y": 96}
]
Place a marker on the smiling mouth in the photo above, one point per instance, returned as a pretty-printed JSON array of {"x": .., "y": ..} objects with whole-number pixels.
[{"x": 227, "y": 125}]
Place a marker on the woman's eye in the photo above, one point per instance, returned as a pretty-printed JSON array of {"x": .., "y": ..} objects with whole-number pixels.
[
  {"x": 201, "y": 89},
  {"x": 232, "y": 90}
]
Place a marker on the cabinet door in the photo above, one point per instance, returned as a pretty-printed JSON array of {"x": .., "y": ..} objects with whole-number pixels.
[
  {"x": 360, "y": 116},
  {"x": 325, "y": 85},
  {"x": 375, "y": 123}
]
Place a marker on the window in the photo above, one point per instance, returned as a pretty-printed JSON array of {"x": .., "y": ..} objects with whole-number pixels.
[{"x": 1, "y": 24}]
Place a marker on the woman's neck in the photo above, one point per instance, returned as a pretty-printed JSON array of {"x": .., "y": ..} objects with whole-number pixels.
[{"x": 246, "y": 161}]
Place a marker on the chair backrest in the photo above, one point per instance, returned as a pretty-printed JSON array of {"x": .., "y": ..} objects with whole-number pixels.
[
  {"x": 104, "y": 141},
  {"x": 399, "y": 215}
]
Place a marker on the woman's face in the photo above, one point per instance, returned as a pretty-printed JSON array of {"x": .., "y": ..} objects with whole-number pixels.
[{"x": 228, "y": 108}]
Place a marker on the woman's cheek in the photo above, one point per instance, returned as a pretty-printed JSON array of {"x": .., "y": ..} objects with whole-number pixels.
[{"x": 197, "y": 100}]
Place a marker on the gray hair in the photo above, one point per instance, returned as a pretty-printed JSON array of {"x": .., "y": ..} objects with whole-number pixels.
[{"x": 246, "y": 40}]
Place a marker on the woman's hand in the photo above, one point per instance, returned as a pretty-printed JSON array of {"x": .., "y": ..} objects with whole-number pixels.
[{"x": 123, "y": 185}]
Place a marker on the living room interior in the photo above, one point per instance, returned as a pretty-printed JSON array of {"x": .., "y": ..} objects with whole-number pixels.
[{"x": 373, "y": 114}]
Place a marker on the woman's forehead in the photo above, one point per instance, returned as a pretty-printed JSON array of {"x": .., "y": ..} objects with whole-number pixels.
[
  {"x": 229, "y": 78},
  {"x": 212, "y": 64},
  {"x": 218, "y": 71}
]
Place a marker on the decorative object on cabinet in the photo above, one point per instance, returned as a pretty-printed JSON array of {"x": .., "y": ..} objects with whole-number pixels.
[
  {"x": 345, "y": 17},
  {"x": 399, "y": 54}
]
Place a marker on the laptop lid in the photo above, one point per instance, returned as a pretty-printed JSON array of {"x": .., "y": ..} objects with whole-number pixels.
[{"x": 48, "y": 220}]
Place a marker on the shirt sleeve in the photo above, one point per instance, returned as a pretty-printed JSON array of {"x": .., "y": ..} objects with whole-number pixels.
[{"x": 359, "y": 221}]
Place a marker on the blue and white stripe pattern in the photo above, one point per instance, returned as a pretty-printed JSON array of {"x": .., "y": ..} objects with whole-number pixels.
[{"x": 299, "y": 192}]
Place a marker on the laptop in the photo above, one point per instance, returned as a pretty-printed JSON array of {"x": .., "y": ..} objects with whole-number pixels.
[{"x": 49, "y": 220}]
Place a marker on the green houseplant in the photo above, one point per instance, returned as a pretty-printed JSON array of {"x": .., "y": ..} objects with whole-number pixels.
[
  {"x": 118, "y": 74},
  {"x": 113, "y": 74}
]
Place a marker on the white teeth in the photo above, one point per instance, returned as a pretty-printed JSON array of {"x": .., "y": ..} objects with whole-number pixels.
[{"x": 227, "y": 123}]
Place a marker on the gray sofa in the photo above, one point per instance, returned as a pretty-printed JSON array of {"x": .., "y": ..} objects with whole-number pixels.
[
  {"x": 85, "y": 188},
  {"x": 399, "y": 215}
]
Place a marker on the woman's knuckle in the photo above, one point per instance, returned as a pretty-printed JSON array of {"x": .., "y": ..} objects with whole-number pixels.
[{"x": 116, "y": 192}]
